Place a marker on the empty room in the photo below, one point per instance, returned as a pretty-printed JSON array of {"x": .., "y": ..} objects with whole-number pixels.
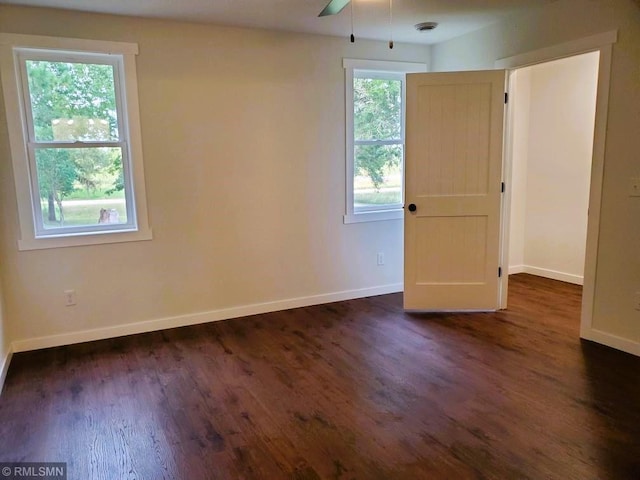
[{"x": 366, "y": 239}]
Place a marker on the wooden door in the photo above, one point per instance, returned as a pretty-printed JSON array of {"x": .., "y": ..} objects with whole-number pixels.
[{"x": 454, "y": 150}]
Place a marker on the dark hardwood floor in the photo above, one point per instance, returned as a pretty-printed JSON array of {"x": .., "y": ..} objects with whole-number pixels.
[{"x": 350, "y": 390}]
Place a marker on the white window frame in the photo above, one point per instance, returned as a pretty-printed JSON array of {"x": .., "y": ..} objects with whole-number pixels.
[
  {"x": 358, "y": 68},
  {"x": 15, "y": 50}
]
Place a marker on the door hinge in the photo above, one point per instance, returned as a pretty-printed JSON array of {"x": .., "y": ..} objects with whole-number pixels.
[
  {"x": 506, "y": 97},
  {"x": 502, "y": 187},
  {"x": 499, "y": 272}
]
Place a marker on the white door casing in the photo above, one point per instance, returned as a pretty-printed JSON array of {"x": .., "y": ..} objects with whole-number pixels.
[{"x": 453, "y": 164}]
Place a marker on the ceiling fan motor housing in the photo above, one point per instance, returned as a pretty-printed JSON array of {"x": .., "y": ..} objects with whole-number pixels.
[{"x": 426, "y": 26}]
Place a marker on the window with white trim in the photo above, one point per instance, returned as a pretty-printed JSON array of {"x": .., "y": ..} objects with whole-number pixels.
[
  {"x": 375, "y": 108},
  {"x": 72, "y": 113}
]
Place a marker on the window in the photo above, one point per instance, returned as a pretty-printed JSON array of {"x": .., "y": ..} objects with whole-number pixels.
[
  {"x": 375, "y": 138},
  {"x": 76, "y": 150}
]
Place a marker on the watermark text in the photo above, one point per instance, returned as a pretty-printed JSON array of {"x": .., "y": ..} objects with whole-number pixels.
[{"x": 33, "y": 470}]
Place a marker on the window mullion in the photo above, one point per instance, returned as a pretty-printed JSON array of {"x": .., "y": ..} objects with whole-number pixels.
[
  {"x": 397, "y": 141},
  {"x": 77, "y": 144}
]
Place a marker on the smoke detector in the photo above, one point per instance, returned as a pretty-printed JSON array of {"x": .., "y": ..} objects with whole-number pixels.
[{"x": 426, "y": 26}]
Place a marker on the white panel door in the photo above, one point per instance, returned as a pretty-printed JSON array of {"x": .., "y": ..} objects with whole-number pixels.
[{"x": 454, "y": 144}]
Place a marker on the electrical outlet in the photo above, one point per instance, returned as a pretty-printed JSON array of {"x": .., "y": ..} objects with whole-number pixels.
[
  {"x": 636, "y": 301},
  {"x": 69, "y": 298},
  {"x": 634, "y": 187},
  {"x": 380, "y": 258}
]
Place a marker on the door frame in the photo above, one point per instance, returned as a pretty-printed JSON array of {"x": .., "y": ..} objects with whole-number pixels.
[{"x": 602, "y": 43}]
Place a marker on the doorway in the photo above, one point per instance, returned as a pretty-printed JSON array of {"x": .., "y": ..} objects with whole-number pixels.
[
  {"x": 553, "y": 118},
  {"x": 603, "y": 45}
]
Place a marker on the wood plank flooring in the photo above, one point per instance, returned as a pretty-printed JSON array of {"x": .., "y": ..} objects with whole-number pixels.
[{"x": 350, "y": 390}]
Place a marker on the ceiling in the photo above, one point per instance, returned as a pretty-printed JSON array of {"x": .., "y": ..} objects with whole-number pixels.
[{"x": 371, "y": 17}]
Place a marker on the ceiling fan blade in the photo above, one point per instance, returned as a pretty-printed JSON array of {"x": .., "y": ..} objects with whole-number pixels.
[{"x": 333, "y": 7}]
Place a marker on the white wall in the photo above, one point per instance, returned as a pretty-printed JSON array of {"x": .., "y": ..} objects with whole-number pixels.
[
  {"x": 553, "y": 160},
  {"x": 244, "y": 150},
  {"x": 618, "y": 263}
]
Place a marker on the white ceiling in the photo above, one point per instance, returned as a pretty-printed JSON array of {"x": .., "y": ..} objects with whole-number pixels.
[{"x": 371, "y": 17}]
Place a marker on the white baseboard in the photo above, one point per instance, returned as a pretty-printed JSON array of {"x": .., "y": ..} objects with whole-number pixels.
[
  {"x": 545, "y": 272},
  {"x": 612, "y": 341},
  {"x": 4, "y": 367},
  {"x": 195, "y": 318}
]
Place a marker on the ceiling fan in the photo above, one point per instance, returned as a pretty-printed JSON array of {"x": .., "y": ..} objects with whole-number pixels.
[{"x": 334, "y": 7}]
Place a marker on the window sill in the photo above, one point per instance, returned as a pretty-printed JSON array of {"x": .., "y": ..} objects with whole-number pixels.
[
  {"x": 374, "y": 216},
  {"x": 85, "y": 239}
]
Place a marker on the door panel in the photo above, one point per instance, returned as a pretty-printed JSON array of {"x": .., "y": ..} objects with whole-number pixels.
[
  {"x": 438, "y": 260},
  {"x": 453, "y": 177}
]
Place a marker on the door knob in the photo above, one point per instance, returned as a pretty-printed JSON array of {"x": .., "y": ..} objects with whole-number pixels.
[{"x": 412, "y": 207}]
